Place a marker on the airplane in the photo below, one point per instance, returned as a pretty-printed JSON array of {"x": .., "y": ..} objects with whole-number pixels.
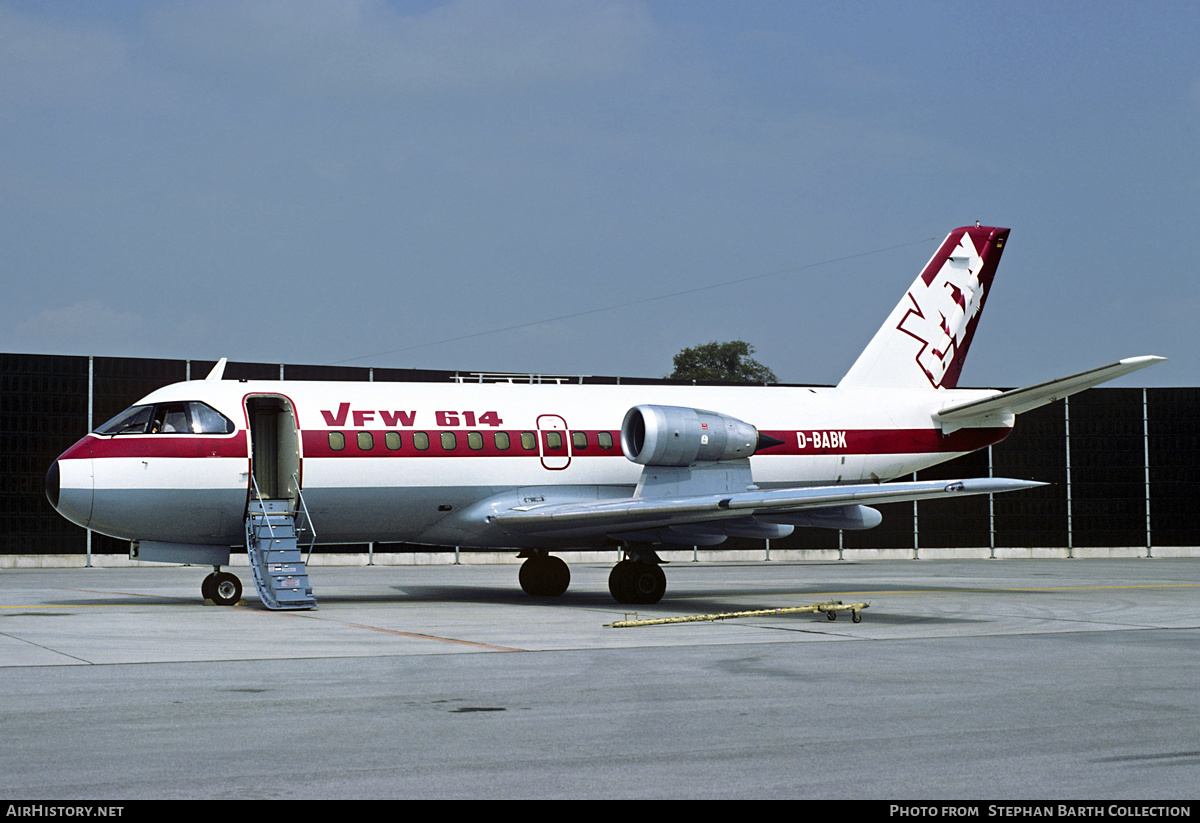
[{"x": 197, "y": 468}]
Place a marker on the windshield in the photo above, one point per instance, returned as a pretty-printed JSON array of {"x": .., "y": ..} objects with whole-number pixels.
[
  {"x": 131, "y": 421},
  {"x": 190, "y": 417}
]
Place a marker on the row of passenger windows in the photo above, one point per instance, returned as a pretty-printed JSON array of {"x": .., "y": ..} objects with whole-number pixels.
[{"x": 501, "y": 441}]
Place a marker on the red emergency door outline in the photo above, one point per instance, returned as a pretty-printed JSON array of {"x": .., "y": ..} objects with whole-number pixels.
[{"x": 554, "y": 442}]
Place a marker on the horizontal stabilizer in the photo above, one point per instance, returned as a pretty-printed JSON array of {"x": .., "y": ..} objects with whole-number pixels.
[
  {"x": 990, "y": 410},
  {"x": 622, "y": 515}
]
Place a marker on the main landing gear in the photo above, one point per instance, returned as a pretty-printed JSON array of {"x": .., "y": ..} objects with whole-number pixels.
[
  {"x": 637, "y": 581},
  {"x": 222, "y": 588},
  {"x": 543, "y": 575},
  {"x": 638, "y": 578}
]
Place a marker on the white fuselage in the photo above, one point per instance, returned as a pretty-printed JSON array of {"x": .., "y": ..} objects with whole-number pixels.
[{"x": 415, "y": 462}]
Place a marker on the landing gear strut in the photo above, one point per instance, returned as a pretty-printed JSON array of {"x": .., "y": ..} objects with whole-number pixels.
[
  {"x": 222, "y": 588},
  {"x": 543, "y": 575},
  {"x": 637, "y": 581}
]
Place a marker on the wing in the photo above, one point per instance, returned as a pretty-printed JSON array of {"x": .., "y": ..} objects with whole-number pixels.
[{"x": 736, "y": 513}]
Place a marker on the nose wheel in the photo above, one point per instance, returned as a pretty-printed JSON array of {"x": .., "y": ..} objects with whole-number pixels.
[{"x": 222, "y": 588}]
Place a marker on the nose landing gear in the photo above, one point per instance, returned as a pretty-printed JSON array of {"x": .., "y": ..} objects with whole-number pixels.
[{"x": 222, "y": 588}]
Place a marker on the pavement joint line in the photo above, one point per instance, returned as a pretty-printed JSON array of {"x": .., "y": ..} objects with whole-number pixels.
[{"x": 413, "y": 635}]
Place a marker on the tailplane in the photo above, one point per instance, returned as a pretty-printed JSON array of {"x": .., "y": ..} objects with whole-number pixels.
[{"x": 925, "y": 339}]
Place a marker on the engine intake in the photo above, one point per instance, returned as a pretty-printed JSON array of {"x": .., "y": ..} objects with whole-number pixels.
[{"x": 678, "y": 436}]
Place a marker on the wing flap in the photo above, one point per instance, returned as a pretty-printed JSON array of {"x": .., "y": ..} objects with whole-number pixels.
[{"x": 645, "y": 513}]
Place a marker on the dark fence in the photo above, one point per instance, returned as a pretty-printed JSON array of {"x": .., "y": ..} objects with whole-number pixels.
[{"x": 1121, "y": 463}]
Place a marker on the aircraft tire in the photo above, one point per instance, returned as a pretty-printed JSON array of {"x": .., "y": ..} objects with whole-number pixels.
[
  {"x": 618, "y": 582},
  {"x": 633, "y": 581},
  {"x": 556, "y": 576},
  {"x": 225, "y": 589},
  {"x": 545, "y": 576},
  {"x": 207, "y": 586},
  {"x": 648, "y": 583}
]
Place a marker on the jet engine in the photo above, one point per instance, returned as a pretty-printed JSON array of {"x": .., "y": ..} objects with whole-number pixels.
[{"x": 678, "y": 436}]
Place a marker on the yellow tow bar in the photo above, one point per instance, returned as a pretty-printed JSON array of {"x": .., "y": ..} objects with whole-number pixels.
[{"x": 830, "y": 607}]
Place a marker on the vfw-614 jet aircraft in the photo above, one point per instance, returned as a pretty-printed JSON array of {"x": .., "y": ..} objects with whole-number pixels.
[{"x": 198, "y": 467}]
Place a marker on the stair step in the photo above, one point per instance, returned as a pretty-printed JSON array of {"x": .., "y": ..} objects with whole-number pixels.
[{"x": 280, "y": 574}]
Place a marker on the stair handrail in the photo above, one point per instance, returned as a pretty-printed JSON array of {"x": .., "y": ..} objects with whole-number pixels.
[
  {"x": 262, "y": 504},
  {"x": 307, "y": 518}
]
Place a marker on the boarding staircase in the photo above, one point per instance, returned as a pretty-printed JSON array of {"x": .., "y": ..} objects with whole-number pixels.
[{"x": 280, "y": 572}]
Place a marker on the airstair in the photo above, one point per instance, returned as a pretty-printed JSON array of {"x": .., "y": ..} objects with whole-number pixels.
[{"x": 280, "y": 574}]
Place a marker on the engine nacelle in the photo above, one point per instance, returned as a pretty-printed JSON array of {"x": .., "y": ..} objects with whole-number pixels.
[{"x": 678, "y": 436}]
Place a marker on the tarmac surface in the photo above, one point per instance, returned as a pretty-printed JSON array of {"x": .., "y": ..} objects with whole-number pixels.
[{"x": 1003, "y": 679}]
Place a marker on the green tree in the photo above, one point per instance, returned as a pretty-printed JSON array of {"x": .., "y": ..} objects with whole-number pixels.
[{"x": 721, "y": 362}]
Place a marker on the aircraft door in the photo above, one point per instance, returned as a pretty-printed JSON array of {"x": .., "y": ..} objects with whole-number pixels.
[
  {"x": 554, "y": 442},
  {"x": 274, "y": 447}
]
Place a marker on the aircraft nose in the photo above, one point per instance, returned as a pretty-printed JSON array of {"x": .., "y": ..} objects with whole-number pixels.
[
  {"x": 69, "y": 485},
  {"x": 53, "y": 481}
]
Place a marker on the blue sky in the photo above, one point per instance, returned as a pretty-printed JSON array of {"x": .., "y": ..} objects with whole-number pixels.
[{"x": 358, "y": 181}]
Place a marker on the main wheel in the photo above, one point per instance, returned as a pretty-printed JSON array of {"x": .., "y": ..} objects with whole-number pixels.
[
  {"x": 633, "y": 581},
  {"x": 544, "y": 576},
  {"x": 618, "y": 582},
  {"x": 648, "y": 582},
  {"x": 224, "y": 589}
]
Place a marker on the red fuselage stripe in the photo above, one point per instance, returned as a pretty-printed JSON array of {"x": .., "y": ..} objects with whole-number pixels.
[
  {"x": 863, "y": 441},
  {"x": 317, "y": 444},
  {"x": 160, "y": 445}
]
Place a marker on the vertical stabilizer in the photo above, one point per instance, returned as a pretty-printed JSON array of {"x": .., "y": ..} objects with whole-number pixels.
[{"x": 925, "y": 339}]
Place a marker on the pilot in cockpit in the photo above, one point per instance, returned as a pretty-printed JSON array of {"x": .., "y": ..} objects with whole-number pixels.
[{"x": 170, "y": 418}]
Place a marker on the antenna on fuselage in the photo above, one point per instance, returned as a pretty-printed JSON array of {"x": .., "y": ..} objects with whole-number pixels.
[{"x": 217, "y": 370}]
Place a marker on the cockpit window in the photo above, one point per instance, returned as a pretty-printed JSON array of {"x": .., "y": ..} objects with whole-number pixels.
[
  {"x": 169, "y": 418},
  {"x": 207, "y": 420},
  {"x": 131, "y": 421}
]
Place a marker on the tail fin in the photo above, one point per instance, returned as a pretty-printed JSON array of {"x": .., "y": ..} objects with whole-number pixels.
[{"x": 925, "y": 339}]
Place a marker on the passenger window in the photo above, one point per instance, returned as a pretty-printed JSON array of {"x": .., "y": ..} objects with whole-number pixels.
[
  {"x": 474, "y": 440},
  {"x": 392, "y": 441},
  {"x": 420, "y": 441},
  {"x": 528, "y": 441},
  {"x": 501, "y": 440},
  {"x": 554, "y": 440},
  {"x": 579, "y": 440},
  {"x": 604, "y": 440},
  {"x": 449, "y": 441},
  {"x": 337, "y": 441},
  {"x": 366, "y": 441}
]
